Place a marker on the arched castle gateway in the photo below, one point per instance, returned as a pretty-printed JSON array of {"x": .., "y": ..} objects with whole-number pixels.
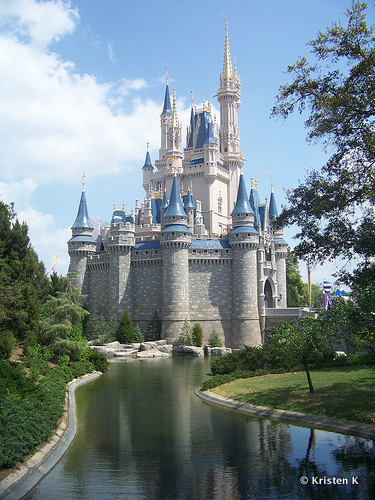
[{"x": 209, "y": 253}]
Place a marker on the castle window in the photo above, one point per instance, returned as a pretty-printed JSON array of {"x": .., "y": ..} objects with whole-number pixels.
[{"x": 220, "y": 203}]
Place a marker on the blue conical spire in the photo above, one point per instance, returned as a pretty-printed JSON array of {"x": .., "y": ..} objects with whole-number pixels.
[
  {"x": 189, "y": 201},
  {"x": 242, "y": 205},
  {"x": 82, "y": 219},
  {"x": 167, "y": 109},
  {"x": 148, "y": 163},
  {"x": 175, "y": 207},
  {"x": 272, "y": 211}
]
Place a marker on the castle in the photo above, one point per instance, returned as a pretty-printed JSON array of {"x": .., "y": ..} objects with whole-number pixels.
[{"x": 209, "y": 254}]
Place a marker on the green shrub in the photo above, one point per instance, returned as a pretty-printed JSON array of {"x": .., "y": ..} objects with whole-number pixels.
[
  {"x": 214, "y": 339},
  {"x": 153, "y": 331},
  {"x": 62, "y": 347},
  {"x": 197, "y": 335},
  {"x": 185, "y": 337},
  {"x": 125, "y": 330},
  {"x": 137, "y": 334},
  {"x": 7, "y": 344},
  {"x": 98, "y": 360}
]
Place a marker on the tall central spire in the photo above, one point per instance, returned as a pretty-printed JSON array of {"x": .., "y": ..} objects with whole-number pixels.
[{"x": 227, "y": 66}]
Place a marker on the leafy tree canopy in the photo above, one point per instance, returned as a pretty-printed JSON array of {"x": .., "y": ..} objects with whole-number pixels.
[{"x": 334, "y": 207}]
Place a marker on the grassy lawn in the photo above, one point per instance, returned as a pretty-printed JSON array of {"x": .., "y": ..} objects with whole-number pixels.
[{"x": 347, "y": 392}]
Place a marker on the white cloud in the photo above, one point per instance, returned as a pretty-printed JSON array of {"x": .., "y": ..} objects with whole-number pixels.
[{"x": 38, "y": 22}]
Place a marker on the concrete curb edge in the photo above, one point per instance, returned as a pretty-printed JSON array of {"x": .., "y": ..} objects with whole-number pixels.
[
  {"x": 301, "y": 419},
  {"x": 17, "y": 485}
]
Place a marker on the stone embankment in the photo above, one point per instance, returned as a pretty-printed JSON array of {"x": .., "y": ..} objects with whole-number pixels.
[{"x": 157, "y": 349}]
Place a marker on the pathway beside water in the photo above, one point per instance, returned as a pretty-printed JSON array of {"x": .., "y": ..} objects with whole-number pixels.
[{"x": 142, "y": 433}]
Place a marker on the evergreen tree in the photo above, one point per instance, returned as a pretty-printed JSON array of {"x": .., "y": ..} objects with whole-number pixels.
[
  {"x": 197, "y": 335},
  {"x": 24, "y": 283},
  {"x": 153, "y": 331},
  {"x": 125, "y": 330}
]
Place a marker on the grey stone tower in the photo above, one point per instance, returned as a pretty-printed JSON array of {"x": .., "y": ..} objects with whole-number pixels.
[
  {"x": 81, "y": 246},
  {"x": 121, "y": 239},
  {"x": 175, "y": 239},
  {"x": 244, "y": 240}
]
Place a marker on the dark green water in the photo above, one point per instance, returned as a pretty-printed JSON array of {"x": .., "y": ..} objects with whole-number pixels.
[{"x": 144, "y": 434}]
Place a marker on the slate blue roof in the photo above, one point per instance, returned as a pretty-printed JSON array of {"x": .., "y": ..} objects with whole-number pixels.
[
  {"x": 82, "y": 219},
  {"x": 262, "y": 215},
  {"x": 148, "y": 163},
  {"x": 118, "y": 216},
  {"x": 203, "y": 128},
  {"x": 190, "y": 142},
  {"x": 165, "y": 200},
  {"x": 147, "y": 245},
  {"x": 188, "y": 201},
  {"x": 244, "y": 229},
  {"x": 254, "y": 202},
  {"x": 210, "y": 138},
  {"x": 175, "y": 207},
  {"x": 198, "y": 161},
  {"x": 209, "y": 244},
  {"x": 167, "y": 109},
  {"x": 176, "y": 228},
  {"x": 280, "y": 241},
  {"x": 85, "y": 238},
  {"x": 242, "y": 205}
]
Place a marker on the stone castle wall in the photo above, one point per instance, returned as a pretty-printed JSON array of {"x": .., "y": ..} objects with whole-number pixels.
[{"x": 210, "y": 296}]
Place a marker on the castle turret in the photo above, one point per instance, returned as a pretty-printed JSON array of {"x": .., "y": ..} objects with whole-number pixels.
[
  {"x": 189, "y": 207},
  {"x": 81, "y": 245},
  {"x": 121, "y": 239},
  {"x": 148, "y": 170},
  {"x": 175, "y": 239},
  {"x": 244, "y": 240},
  {"x": 229, "y": 98},
  {"x": 165, "y": 121}
]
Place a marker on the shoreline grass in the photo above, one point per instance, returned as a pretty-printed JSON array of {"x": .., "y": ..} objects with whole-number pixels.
[{"x": 345, "y": 392}]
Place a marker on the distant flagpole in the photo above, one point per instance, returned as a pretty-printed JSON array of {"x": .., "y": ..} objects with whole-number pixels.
[{"x": 54, "y": 266}]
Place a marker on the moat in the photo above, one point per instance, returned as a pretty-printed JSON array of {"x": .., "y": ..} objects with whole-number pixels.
[{"x": 142, "y": 433}]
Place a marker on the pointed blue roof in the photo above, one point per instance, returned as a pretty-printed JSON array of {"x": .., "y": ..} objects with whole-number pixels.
[
  {"x": 190, "y": 142},
  {"x": 273, "y": 213},
  {"x": 254, "y": 202},
  {"x": 242, "y": 205},
  {"x": 210, "y": 139},
  {"x": 167, "y": 109},
  {"x": 175, "y": 207},
  {"x": 148, "y": 163},
  {"x": 189, "y": 201},
  {"x": 82, "y": 219}
]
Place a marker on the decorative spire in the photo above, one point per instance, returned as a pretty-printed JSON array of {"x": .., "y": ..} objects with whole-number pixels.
[
  {"x": 273, "y": 212},
  {"x": 148, "y": 163},
  {"x": 175, "y": 207},
  {"x": 167, "y": 110},
  {"x": 210, "y": 139},
  {"x": 83, "y": 181},
  {"x": 242, "y": 205},
  {"x": 174, "y": 112},
  {"x": 82, "y": 219},
  {"x": 227, "y": 66}
]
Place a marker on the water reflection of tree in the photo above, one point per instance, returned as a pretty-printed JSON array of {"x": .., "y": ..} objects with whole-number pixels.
[{"x": 356, "y": 457}]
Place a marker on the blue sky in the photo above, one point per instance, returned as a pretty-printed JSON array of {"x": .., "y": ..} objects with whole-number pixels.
[{"x": 82, "y": 85}]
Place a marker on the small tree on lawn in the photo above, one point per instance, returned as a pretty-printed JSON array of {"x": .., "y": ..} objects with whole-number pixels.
[
  {"x": 304, "y": 338},
  {"x": 197, "y": 335},
  {"x": 125, "y": 329}
]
